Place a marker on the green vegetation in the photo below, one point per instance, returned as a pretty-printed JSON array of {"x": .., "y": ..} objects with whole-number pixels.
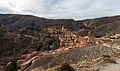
[
  {"x": 65, "y": 67},
  {"x": 34, "y": 28},
  {"x": 106, "y": 56},
  {"x": 53, "y": 43},
  {"x": 11, "y": 66},
  {"x": 2, "y": 32},
  {"x": 39, "y": 47},
  {"x": 50, "y": 43}
]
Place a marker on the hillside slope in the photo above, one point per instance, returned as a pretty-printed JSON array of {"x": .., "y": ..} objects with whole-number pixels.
[
  {"x": 108, "y": 24},
  {"x": 22, "y": 34}
]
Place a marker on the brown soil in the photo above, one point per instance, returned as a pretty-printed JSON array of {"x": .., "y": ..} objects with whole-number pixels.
[{"x": 74, "y": 56}]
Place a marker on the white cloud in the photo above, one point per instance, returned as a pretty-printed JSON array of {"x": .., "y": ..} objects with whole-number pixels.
[{"x": 76, "y": 9}]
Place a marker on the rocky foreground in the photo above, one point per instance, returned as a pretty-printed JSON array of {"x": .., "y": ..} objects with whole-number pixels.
[
  {"x": 112, "y": 66},
  {"x": 89, "y": 58}
]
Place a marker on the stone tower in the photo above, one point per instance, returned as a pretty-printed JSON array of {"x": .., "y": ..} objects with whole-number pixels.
[{"x": 62, "y": 28}]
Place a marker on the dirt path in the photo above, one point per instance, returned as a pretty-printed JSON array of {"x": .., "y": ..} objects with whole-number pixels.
[{"x": 112, "y": 67}]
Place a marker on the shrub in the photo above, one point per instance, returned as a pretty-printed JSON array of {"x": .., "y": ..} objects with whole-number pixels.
[
  {"x": 106, "y": 56},
  {"x": 12, "y": 66},
  {"x": 65, "y": 67},
  {"x": 51, "y": 43},
  {"x": 2, "y": 32},
  {"x": 39, "y": 47},
  {"x": 56, "y": 45}
]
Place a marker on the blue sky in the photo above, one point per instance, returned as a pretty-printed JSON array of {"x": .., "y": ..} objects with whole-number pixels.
[{"x": 62, "y": 9}]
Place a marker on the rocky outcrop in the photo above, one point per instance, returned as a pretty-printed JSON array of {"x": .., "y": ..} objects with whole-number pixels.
[{"x": 74, "y": 56}]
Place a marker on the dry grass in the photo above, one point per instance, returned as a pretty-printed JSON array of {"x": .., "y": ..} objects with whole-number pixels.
[
  {"x": 110, "y": 60},
  {"x": 42, "y": 69},
  {"x": 1, "y": 68},
  {"x": 87, "y": 69},
  {"x": 84, "y": 63},
  {"x": 107, "y": 60},
  {"x": 39, "y": 69}
]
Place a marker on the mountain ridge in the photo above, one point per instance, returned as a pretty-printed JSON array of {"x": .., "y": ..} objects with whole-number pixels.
[{"x": 15, "y": 22}]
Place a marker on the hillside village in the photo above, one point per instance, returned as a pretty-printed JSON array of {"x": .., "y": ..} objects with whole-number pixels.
[
  {"x": 68, "y": 40},
  {"x": 48, "y": 43}
]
